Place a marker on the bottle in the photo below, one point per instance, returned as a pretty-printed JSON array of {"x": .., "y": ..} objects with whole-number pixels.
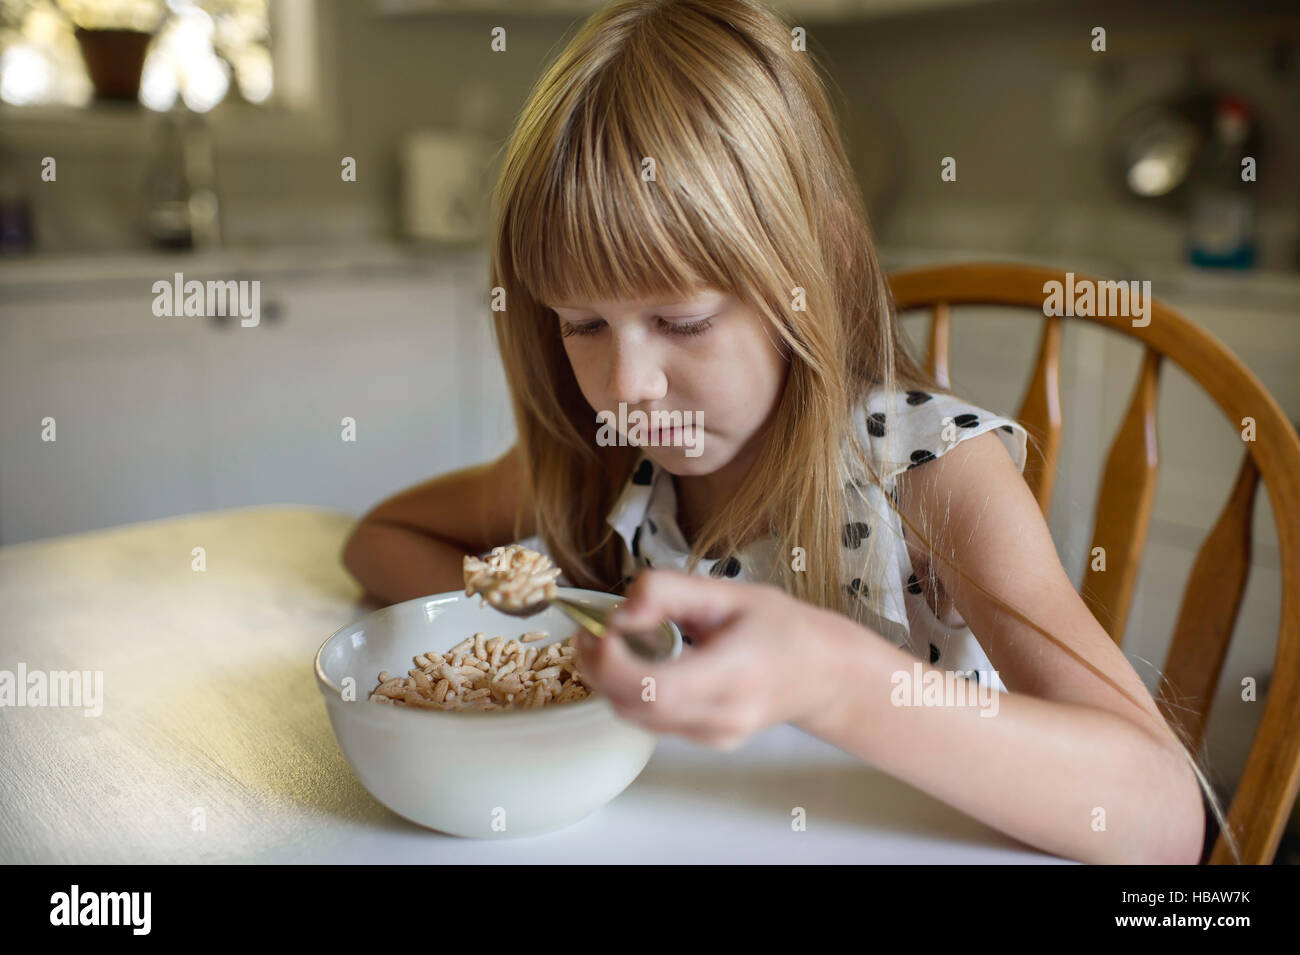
[
  {"x": 203, "y": 205},
  {"x": 16, "y": 237},
  {"x": 166, "y": 190},
  {"x": 1221, "y": 204}
]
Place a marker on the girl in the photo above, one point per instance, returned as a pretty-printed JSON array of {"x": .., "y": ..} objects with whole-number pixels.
[{"x": 677, "y": 229}]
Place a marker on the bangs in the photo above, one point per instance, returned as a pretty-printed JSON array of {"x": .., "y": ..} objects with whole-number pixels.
[{"x": 587, "y": 227}]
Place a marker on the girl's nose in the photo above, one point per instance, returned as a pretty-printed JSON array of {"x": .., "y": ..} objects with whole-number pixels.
[{"x": 635, "y": 375}]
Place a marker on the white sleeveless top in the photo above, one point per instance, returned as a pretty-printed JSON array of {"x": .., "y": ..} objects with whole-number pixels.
[{"x": 645, "y": 517}]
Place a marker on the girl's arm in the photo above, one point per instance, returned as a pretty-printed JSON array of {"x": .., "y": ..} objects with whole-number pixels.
[
  {"x": 414, "y": 543},
  {"x": 1048, "y": 773},
  {"x": 1066, "y": 763}
]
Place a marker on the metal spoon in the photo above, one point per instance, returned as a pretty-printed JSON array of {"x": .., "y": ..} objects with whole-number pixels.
[{"x": 654, "y": 645}]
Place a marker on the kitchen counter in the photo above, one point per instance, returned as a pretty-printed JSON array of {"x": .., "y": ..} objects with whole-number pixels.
[
  {"x": 213, "y": 744},
  {"x": 79, "y": 274},
  {"x": 74, "y": 274}
]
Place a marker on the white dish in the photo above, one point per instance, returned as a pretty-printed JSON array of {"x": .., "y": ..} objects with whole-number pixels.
[{"x": 494, "y": 774}]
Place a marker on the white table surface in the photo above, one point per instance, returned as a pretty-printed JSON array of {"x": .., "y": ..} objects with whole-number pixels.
[{"x": 210, "y": 703}]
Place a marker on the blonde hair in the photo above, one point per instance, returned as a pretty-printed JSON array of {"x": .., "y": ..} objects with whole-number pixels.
[{"x": 675, "y": 144}]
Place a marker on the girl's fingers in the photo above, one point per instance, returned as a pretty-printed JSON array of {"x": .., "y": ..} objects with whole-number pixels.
[
  {"x": 688, "y": 687},
  {"x": 610, "y": 667},
  {"x": 693, "y": 602}
]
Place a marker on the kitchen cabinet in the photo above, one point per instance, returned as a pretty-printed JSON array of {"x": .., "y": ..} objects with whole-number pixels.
[
  {"x": 162, "y": 416},
  {"x": 120, "y": 388}
]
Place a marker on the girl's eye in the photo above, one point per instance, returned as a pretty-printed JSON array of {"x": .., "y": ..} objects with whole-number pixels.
[
  {"x": 686, "y": 328},
  {"x": 589, "y": 328},
  {"x": 672, "y": 328}
]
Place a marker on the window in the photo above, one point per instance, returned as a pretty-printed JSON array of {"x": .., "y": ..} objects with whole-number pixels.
[
  {"x": 202, "y": 50},
  {"x": 252, "y": 64}
]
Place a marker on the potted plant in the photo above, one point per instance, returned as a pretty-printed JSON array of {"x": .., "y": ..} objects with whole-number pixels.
[{"x": 114, "y": 36}]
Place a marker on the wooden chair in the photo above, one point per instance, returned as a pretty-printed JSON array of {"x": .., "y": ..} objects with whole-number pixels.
[{"x": 1212, "y": 597}]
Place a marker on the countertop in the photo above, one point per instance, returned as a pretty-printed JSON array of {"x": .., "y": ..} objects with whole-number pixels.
[
  {"x": 211, "y": 712},
  {"x": 78, "y": 274}
]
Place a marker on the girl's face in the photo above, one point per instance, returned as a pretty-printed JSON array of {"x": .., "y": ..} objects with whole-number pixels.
[{"x": 707, "y": 356}]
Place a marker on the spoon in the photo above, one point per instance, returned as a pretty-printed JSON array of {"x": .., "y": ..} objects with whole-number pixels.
[{"x": 654, "y": 645}]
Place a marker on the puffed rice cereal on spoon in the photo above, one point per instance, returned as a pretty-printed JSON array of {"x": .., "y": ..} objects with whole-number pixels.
[{"x": 511, "y": 578}]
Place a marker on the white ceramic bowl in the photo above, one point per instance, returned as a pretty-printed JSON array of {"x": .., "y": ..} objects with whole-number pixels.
[{"x": 494, "y": 774}]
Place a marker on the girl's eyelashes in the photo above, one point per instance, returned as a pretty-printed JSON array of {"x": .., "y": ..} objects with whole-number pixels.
[
  {"x": 688, "y": 328},
  {"x": 567, "y": 329},
  {"x": 671, "y": 328}
]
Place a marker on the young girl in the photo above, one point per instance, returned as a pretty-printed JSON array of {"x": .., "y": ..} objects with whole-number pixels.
[{"x": 677, "y": 229}]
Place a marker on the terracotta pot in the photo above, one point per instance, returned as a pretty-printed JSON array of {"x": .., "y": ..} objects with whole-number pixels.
[{"x": 114, "y": 60}]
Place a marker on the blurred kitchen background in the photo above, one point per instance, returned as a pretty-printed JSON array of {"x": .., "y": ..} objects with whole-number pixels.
[{"x": 211, "y": 137}]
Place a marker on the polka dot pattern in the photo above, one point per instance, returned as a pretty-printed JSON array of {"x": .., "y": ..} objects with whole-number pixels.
[
  {"x": 906, "y": 430},
  {"x": 854, "y": 534},
  {"x": 725, "y": 568}
]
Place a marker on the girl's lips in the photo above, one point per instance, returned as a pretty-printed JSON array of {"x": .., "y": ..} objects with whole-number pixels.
[{"x": 675, "y": 435}]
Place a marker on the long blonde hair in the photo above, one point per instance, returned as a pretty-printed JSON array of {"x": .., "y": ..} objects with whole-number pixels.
[{"x": 675, "y": 144}]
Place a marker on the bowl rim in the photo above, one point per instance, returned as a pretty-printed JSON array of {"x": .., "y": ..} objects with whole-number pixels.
[{"x": 579, "y": 710}]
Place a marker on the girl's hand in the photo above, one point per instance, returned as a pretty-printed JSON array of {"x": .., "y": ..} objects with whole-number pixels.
[{"x": 760, "y": 657}]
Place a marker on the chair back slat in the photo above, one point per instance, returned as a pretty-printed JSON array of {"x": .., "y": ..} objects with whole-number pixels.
[
  {"x": 1040, "y": 413},
  {"x": 1128, "y": 489},
  {"x": 940, "y": 343},
  {"x": 1208, "y": 612},
  {"x": 1270, "y": 781}
]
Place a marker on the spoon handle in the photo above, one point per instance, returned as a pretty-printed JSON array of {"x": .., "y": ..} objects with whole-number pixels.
[
  {"x": 589, "y": 617},
  {"x": 650, "y": 646}
]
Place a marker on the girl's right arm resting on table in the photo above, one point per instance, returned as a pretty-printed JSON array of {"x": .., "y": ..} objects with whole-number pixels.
[{"x": 413, "y": 543}]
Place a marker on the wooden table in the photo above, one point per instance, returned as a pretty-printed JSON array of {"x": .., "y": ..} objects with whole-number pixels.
[{"x": 213, "y": 744}]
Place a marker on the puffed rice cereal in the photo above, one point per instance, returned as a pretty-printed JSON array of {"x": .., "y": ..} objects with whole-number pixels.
[
  {"x": 488, "y": 674},
  {"x": 511, "y": 578}
]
